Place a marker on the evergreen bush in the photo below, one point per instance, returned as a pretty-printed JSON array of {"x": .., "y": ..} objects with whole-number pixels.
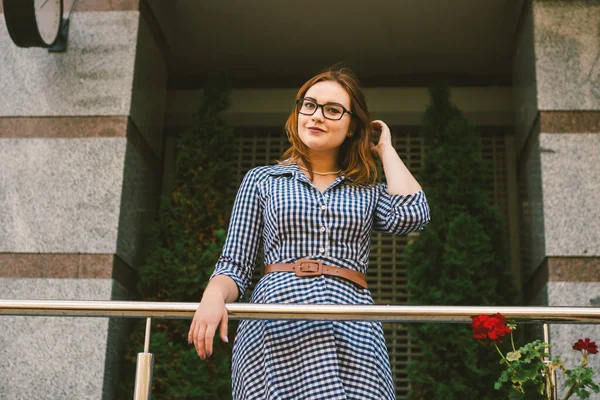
[
  {"x": 187, "y": 242},
  {"x": 459, "y": 259}
]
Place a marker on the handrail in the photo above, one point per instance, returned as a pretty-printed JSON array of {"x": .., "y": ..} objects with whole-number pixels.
[
  {"x": 167, "y": 310},
  {"x": 148, "y": 310}
]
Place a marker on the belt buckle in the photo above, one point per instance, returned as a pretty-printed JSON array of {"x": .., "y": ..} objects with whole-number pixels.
[{"x": 309, "y": 268}]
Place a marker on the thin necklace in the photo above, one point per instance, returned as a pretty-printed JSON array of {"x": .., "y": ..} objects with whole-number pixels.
[{"x": 322, "y": 173}]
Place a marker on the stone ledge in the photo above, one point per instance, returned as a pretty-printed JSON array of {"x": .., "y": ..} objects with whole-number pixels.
[
  {"x": 562, "y": 269},
  {"x": 570, "y": 121},
  {"x": 67, "y": 266},
  {"x": 107, "y": 5},
  {"x": 63, "y": 127}
]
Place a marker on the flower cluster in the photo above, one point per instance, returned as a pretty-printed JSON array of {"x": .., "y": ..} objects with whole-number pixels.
[
  {"x": 529, "y": 370},
  {"x": 492, "y": 327},
  {"x": 585, "y": 346}
]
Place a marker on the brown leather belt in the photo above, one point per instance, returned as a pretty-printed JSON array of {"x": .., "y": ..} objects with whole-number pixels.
[{"x": 316, "y": 268}]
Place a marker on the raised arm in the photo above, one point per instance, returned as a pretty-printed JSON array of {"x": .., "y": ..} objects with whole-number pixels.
[
  {"x": 398, "y": 177},
  {"x": 402, "y": 206}
]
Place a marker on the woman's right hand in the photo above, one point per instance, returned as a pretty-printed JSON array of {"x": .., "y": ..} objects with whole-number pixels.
[{"x": 210, "y": 313}]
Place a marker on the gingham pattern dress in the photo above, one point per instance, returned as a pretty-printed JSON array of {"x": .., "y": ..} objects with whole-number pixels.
[{"x": 296, "y": 360}]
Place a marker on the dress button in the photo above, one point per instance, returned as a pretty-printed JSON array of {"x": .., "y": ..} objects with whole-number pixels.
[
  {"x": 322, "y": 229},
  {"x": 322, "y": 250},
  {"x": 323, "y": 207}
]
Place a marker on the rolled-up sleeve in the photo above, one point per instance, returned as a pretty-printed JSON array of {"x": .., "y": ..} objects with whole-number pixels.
[
  {"x": 239, "y": 253},
  {"x": 400, "y": 214}
]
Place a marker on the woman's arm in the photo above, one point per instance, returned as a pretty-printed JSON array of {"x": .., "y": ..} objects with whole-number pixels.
[
  {"x": 210, "y": 313},
  {"x": 398, "y": 177},
  {"x": 233, "y": 271},
  {"x": 401, "y": 207}
]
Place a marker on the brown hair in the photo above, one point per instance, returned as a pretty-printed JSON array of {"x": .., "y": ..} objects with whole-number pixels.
[{"x": 355, "y": 156}]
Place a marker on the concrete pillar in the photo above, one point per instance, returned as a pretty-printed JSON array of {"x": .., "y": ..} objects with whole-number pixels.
[
  {"x": 80, "y": 162},
  {"x": 557, "y": 92}
]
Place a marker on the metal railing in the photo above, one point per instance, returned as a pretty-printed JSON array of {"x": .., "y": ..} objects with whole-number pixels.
[{"x": 149, "y": 310}]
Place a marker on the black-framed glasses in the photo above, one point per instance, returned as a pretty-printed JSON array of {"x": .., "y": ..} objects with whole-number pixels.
[{"x": 333, "y": 111}]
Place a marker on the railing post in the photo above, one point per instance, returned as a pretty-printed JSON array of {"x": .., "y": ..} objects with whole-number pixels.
[
  {"x": 143, "y": 370},
  {"x": 552, "y": 378}
]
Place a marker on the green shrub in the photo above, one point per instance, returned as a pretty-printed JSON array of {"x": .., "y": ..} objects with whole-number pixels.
[
  {"x": 187, "y": 242},
  {"x": 459, "y": 259}
]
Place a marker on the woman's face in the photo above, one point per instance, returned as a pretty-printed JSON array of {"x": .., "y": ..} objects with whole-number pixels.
[{"x": 318, "y": 133}]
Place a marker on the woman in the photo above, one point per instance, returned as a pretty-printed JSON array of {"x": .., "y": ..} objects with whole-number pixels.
[{"x": 315, "y": 212}]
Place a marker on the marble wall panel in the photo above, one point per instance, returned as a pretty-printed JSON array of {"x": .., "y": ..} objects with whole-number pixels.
[
  {"x": 570, "y": 181},
  {"x": 562, "y": 337},
  {"x": 61, "y": 195},
  {"x": 139, "y": 199},
  {"x": 533, "y": 246},
  {"x": 93, "y": 77},
  {"x": 524, "y": 81},
  {"x": 57, "y": 357},
  {"x": 567, "y": 54},
  {"x": 149, "y": 90}
]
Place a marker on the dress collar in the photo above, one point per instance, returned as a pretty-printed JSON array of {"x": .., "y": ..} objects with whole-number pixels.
[{"x": 281, "y": 169}]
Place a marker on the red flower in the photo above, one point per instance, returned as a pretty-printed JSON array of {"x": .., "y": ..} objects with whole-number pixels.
[
  {"x": 492, "y": 327},
  {"x": 586, "y": 345}
]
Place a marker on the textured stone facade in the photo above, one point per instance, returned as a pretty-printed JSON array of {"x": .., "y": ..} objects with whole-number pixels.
[
  {"x": 80, "y": 149},
  {"x": 557, "y": 92}
]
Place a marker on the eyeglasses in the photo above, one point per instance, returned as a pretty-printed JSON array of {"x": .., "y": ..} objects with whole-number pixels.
[{"x": 331, "y": 111}]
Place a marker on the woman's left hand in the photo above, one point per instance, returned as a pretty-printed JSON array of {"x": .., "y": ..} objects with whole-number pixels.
[{"x": 385, "y": 139}]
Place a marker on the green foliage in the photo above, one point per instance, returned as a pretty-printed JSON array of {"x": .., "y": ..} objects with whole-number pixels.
[
  {"x": 528, "y": 371},
  {"x": 580, "y": 380},
  {"x": 525, "y": 371},
  {"x": 459, "y": 259},
  {"x": 187, "y": 242}
]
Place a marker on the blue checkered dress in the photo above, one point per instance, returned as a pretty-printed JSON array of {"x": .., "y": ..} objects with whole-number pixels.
[{"x": 310, "y": 359}]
